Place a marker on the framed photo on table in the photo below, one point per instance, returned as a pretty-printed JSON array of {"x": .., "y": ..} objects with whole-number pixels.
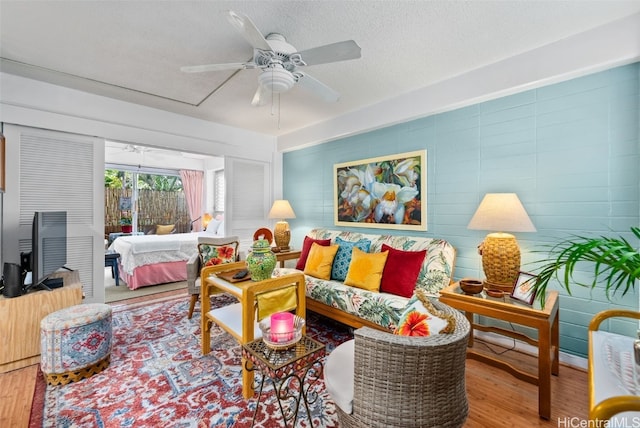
[{"x": 523, "y": 288}]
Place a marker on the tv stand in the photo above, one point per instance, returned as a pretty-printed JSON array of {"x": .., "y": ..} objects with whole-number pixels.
[
  {"x": 48, "y": 284},
  {"x": 52, "y": 283},
  {"x": 37, "y": 287}
]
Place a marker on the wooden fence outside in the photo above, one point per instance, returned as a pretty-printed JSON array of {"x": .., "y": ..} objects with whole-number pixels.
[{"x": 154, "y": 207}]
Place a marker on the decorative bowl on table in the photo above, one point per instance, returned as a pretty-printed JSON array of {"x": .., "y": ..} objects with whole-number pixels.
[
  {"x": 471, "y": 286},
  {"x": 494, "y": 292},
  {"x": 284, "y": 340}
]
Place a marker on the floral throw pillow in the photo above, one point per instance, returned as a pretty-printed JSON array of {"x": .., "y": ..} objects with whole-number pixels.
[
  {"x": 211, "y": 255},
  {"x": 422, "y": 319}
]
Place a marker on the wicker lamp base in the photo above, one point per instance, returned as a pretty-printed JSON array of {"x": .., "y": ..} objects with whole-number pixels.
[
  {"x": 500, "y": 260},
  {"x": 282, "y": 235}
]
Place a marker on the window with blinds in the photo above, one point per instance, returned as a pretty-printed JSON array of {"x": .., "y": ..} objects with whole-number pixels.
[{"x": 218, "y": 192}]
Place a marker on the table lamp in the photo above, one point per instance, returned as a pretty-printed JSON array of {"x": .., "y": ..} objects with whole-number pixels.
[
  {"x": 282, "y": 210},
  {"x": 206, "y": 218},
  {"x": 501, "y": 212}
]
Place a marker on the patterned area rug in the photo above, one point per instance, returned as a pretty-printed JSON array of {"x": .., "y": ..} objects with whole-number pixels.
[{"x": 158, "y": 377}]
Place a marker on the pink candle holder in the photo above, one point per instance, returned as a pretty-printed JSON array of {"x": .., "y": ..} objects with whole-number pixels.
[{"x": 282, "y": 327}]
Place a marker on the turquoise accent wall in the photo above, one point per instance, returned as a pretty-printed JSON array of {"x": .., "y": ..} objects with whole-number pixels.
[{"x": 569, "y": 150}]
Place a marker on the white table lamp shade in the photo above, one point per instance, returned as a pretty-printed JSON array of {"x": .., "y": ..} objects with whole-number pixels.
[
  {"x": 501, "y": 212},
  {"x": 281, "y": 209}
]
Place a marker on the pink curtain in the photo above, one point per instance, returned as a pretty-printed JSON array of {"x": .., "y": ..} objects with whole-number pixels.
[{"x": 192, "y": 185}]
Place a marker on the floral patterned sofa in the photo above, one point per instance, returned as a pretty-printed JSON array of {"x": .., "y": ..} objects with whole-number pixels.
[{"x": 358, "y": 307}]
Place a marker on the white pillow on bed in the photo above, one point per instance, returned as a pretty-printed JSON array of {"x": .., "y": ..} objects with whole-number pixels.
[{"x": 213, "y": 226}]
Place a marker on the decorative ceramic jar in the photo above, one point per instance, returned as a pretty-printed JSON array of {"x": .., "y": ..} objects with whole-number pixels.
[{"x": 261, "y": 261}]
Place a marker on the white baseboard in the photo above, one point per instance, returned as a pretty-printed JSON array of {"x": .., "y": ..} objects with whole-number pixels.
[{"x": 566, "y": 359}]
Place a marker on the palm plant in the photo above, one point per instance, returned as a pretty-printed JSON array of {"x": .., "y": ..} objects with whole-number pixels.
[{"x": 614, "y": 260}]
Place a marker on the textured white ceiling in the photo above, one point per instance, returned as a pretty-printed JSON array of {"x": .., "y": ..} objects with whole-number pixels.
[{"x": 133, "y": 50}]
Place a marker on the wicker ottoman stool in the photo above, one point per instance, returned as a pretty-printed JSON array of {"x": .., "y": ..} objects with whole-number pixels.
[{"x": 75, "y": 343}]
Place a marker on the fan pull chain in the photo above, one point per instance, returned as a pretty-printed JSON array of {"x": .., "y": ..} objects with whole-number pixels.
[
  {"x": 278, "y": 110},
  {"x": 272, "y": 97},
  {"x": 273, "y": 101}
]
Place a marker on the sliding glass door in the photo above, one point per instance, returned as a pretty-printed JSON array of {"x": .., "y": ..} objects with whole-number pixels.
[{"x": 144, "y": 198}]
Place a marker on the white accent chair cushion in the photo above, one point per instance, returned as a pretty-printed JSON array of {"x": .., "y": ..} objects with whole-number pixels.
[{"x": 338, "y": 375}]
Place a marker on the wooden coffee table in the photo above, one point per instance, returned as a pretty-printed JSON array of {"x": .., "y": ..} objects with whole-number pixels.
[{"x": 545, "y": 321}]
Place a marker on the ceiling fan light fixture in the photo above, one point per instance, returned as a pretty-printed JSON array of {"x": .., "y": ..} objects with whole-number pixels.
[
  {"x": 278, "y": 61},
  {"x": 276, "y": 79}
]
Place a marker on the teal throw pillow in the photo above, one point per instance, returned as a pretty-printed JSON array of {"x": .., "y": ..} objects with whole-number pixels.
[{"x": 342, "y": 260}]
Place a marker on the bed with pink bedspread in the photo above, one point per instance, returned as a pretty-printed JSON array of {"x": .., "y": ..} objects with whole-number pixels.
[{"x": 155, "y": 259}]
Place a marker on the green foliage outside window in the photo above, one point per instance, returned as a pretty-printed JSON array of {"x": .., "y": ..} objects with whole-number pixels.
[
  {"x": 160, "y": 199},
  {"x": 114, "y": 178}
]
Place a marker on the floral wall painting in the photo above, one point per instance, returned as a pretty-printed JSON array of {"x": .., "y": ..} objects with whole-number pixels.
[{"x": 387, "y": 192}]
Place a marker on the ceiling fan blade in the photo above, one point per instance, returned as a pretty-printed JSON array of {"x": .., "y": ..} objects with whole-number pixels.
[
  {"x": 318, "y": 88},
  {"x": 334, "y": 52},
  {"x": 249, "y": 31},
  {"x": 260, "y": 97},
  {"x": 216, "y": 67}
]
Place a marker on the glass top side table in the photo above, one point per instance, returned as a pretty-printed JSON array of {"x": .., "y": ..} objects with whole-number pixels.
[
  {"x": 288, "y": 370},
  {"x": 544, "y": 320}
]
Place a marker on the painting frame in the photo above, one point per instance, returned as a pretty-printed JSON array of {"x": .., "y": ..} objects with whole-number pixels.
[
  {"x": 523, "y": 290},
  {"x": 384, "y": 192}
]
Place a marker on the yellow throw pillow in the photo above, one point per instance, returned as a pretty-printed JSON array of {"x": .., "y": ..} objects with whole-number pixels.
[
  {"x": 365, "y": 269},
  {"x": 320, "y": 260},
  {"x": 164, "y": 229}
]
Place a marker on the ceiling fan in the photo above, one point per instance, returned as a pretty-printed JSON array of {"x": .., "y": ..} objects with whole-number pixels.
[{"x": 280, "y": 62}]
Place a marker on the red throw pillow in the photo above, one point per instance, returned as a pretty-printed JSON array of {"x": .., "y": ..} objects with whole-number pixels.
[
  {"x": 306, "y": 246},
  {"x": 401, "y": 271}
]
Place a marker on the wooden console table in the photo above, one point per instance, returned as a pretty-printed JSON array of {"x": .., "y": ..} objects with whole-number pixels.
[
  {"x": 287, "y": 255},
  {"x": 545, "y": 321},
  {"x": 20, "y": 320}
]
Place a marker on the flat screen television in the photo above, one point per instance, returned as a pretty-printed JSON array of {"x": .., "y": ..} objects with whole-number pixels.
[{"x": 48, "y": 246}]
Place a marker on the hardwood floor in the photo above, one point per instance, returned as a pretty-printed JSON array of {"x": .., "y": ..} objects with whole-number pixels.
[{"x": 496, "y": 399}]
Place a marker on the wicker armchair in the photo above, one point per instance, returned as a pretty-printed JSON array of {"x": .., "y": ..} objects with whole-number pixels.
[
  {"x": 401, "y": 381},
  {"x": 194, "y": 267}
]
